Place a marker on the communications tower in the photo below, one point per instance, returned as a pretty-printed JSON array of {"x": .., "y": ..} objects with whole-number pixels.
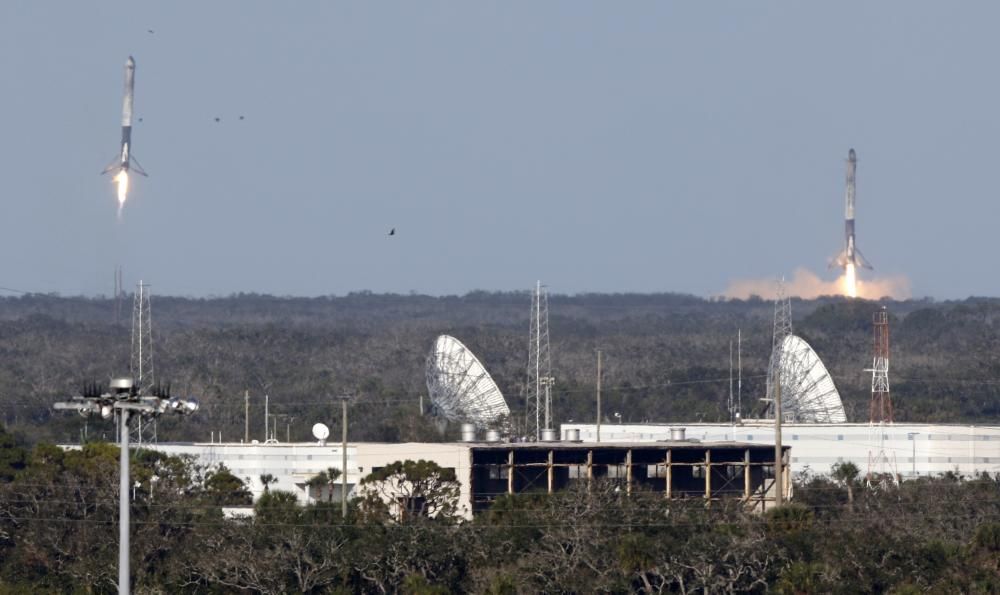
[
  {"x": 537, "y": 389},
  {"x": 141, "y": 365},
  {"x": 881, "y": 465},
  {"x": 782, "y": 329}
]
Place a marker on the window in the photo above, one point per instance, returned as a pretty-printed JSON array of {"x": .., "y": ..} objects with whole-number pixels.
[{"x": 840, "y": 437}]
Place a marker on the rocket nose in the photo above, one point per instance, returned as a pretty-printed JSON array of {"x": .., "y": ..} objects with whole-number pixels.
[
  {"x": 130, "y": 63},
  {"x": 851, "y": 155}
]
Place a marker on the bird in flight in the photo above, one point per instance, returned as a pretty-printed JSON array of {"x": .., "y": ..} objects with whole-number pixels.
[
  {"x": 241, "y": 117},
  {"x": 150, "y": 31},
  {"x": 392, "y": 231},
  {"x": 218, "y": 119}
]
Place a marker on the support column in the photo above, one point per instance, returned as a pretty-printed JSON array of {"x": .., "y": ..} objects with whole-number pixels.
[
  {"x": 551, "y": 472},
  {"x": 590, "y": 469},
  {"x": 628, "y": 471},
  {"x": 670, "y": 474},
  {"x": 746, "y": 475},
  {"x": 510, "y": 472},
  {"x": 708, "y": 477}
]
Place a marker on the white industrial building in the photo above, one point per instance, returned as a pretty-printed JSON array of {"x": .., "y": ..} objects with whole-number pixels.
[
  {"x": 916, "y": 449},
  {"x": 292, "y": 465},
  {"x": 486, "y": 470}
]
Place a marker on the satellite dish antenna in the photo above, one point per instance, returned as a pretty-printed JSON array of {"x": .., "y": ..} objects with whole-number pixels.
[
  {"x": 321, "y": 432},
  {"x": 808, "y": 393},
  {"x": 460, "y": 387}
]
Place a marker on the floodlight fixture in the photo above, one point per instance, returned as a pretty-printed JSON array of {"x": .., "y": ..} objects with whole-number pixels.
[{"x": 124, "y": 397}]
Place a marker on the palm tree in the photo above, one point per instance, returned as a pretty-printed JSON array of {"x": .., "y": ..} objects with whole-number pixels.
[
  {"x": 332, "y": 475},
  {"x": 846, "y": 473},
  {"x": 318, "y": 481},
  {"x": 267, "y": 479}
]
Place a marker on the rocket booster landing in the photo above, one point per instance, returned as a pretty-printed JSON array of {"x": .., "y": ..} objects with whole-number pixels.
[
  {"x": 850, "y": 254},
  {"x": 125, "y": 161}
]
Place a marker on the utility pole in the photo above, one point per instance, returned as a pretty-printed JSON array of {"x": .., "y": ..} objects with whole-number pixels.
[
  {"x": 266, "y": 422},
  {"x": 598, "y": 395},
  {"x": 547, "y": 382},
  {"x": 778, "y": 455},
  {"x": 739, "y": 371},
  {"x": 732, "y": 411},
  {"x": 246, "y": 417},
  {"x": 343, "y": 466}
]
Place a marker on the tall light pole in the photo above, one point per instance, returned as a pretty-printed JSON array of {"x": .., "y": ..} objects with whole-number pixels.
[
  {"x": 124, "y": 398},
  {"x": 343, "y": 451},
  {"x": 913, "y": 439},
  {"x": 598, "y": 395}
]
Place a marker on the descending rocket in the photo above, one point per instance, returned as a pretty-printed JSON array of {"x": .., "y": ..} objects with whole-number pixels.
[
  {"x": 851, "y": 257},
  {"x": 125, "y": 160}
]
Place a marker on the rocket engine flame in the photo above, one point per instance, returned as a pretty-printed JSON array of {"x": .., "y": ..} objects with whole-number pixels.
[
  {"x": 808, "y": 285},
  {"x": 122, "y": 180},
  {"x": 850, "y": 281}
]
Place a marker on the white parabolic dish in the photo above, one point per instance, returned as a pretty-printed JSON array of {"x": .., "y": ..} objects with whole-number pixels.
[
  {"x": 807, "y": 390},
  {"x": 460, "y": 387},
  {"x": 321, "y": 432}
]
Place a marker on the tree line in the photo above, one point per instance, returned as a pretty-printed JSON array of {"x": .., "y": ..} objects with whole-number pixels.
[
  {"x": 666, "y": 358},
  {"x": 58, "y": 533}
]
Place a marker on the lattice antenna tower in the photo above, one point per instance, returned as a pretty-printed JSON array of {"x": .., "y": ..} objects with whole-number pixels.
[
  {"x": 881, "y": 465},
  {"x": 142, "y": 341},
  {"x": 782, "y": 329},
  {"x": 539, "y": 364},
  {"x": 881, "y": 403}
]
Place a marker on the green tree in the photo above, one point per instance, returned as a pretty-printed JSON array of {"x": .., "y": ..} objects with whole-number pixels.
[
  {"x": 407, "y": 490},
  {"x": 846, "y": 473},
  {"x": 13, "y": 458},
  {"x": 225, "y": 489}
]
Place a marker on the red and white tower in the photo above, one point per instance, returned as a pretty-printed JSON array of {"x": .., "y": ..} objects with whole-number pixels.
[
  {"x": 881, "y": 404},
  {"x": 881, "y": 465}
]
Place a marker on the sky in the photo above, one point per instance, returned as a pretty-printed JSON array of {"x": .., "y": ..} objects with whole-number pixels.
[{"x": 599, "y": 147}]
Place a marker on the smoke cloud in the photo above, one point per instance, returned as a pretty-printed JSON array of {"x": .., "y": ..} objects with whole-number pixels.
[{"x": 808, "y": 285}]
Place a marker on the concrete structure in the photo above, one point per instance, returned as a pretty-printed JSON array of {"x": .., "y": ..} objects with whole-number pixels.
[
  {"x": 486, "y": 470},
  {"x": 918, "y": 449}
]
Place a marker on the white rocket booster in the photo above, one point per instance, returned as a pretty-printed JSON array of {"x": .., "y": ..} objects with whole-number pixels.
[
  {"x": 850, "y": 254},
  {"x": 125, "y": 161}
]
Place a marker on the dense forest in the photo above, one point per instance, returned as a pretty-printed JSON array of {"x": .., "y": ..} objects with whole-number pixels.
[
  {"x": 666, "y": 357},
  {"x": 58, "y": 534}
]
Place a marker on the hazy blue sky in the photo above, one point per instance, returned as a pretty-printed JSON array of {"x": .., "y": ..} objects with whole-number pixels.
[{"x": 598, "y": 146}]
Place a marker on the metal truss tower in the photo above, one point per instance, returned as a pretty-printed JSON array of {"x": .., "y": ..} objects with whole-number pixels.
[
  {"x": 141, "y": 366},
  {"x": 782, "y": 329},
  {"x": 881, "y": 404},
  {"x": 537, "y": 393},
  {"x": 881, "y": 465},
  {"x": 142, "y": 340}
]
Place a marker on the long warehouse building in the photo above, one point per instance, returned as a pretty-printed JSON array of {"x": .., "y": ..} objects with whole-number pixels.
[{"x": 912, "y": 449}]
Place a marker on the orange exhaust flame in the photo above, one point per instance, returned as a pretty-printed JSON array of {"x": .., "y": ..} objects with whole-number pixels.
[{"x": 808, "y": 285}]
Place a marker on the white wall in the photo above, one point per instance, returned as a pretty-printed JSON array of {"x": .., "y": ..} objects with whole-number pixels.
[
  {"x": 296, "y": 463},
  {"x": 292, "y": 464}
]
